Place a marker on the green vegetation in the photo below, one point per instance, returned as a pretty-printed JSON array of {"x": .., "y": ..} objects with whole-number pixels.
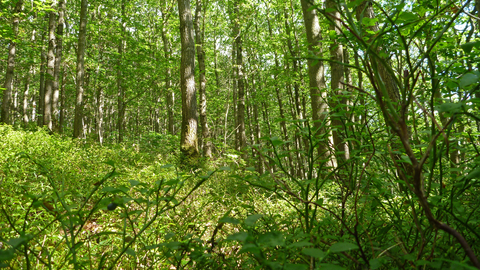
[
  {"x": 66, "y": 204},
  {"x": 212, "y": 134}
]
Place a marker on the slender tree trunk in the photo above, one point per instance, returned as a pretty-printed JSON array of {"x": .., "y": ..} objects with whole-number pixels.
[
  {"x": 189, "y": 139},
  {"x": 82, "y": 33},
  {"x": 100, "y": 108},
  {"x": 337, "y": 78},
  {"x": 41, "y": 90},
  {"x": 31, "y": 73},
  {"x": 242, "y": 139},
  {"x": 121, "y": 91},
  {"x": 7, "y": 93},
  {"x": 205, "y": 142},
  {"x": 58, "y": 61},
  {"x": 61, "y": 120},
  {"x": 316, "y": 73},
  {"x": 49, "y": 82},
  {"x": 170, "y": 95},
  {"x": 25, "y": 96}
]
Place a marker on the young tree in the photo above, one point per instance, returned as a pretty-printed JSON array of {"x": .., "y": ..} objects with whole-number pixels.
[
  {"x": 189, "y": 139},
  {"x": 241, "y": 138},
  {"x": 167, "y": 50},
  {"x": 58, "y": 61},
  {"x": 47, "y": 110},
  {"x": 121, "y": 88},
  {"x": 7, "y": 93},
  {"x": 78, "y": 122}
]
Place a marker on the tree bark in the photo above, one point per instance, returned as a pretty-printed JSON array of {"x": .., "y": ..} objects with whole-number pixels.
[
  {"x": 242, "y": 138},
  {"x": 337, "y": 78},
  {"x": 205, "y": 142},
  {"x": 49, "y": 82},
  {"x": 7, "y": 93},
  {"x": 78, "y": 122},
  {"x": 121, "y": 91},
  {"x": 316, "y": 73},
  {"x": 41, "y": 90},
  {"x": 189, "y": 139},
  {"x": 58, "y": 62},
  {"x": 170, "y": 95}
]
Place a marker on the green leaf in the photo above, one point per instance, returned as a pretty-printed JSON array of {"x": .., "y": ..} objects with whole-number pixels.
[
  {"x": 450, "y": 107},
  {"x": 467, "y": 47},
  {"x": 166, "y": 166},
  {"x": 328, "y": 266},
  {"x": 369, "y": 21},
  {"x": 406, "y": 159},
  {"x": 240, "y": 236},
  {"x": 300, "y": 244},
  {"x": 6, "y": 255},
  {"x": 110, "y": 162},
  {"x": 340, "y": 247},
  {"x": 133, "y": 182},
  {"x": 406, "y": 17},
  {"x": 289, "y": 266},
  {"x": 250, "y": 220},
  {"x": 229, "y": 220},
  {"x": 15, "y": 242},
  {"x": 225, "y": 168},
  {"x": 131, "y": 252},
  {"x": 314, "y": 252},
  {"x": 468, "y": 79},
  {"x": 276, "y": 141},
  {"x": 249, "y": 248},
  {"x": 473, "y": 174},
  {"x": 272, "y": 239}
]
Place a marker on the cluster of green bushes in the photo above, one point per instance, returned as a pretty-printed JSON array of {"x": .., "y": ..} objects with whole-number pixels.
[{"x": 66, "y": 204}]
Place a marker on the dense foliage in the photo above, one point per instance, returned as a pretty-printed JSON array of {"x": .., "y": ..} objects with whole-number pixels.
[{"x": 343, "y": 135}]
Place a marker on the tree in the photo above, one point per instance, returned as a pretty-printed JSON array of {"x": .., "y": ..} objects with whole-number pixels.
[
  {"x": 58, "y": 62},
  {"x": 189, "y": 139},
  {"x": 240, "y": 111},
  {"x": 49, "y": 82},
  {"x": 316, "y": 73},
  {"x": 7, "y": 93},
  {"x": 205, "y": 142},
  {"x": 78, "y": 121},
  {"x": 167, "y": 50}
]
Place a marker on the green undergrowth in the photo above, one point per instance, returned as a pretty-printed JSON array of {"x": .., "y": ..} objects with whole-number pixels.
[{"x": 68, "y": 204}]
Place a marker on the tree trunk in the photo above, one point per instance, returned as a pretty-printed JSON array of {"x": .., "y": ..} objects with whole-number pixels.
[
  {"x": 316, "y": 73},
  {"x": 170, "y": 95},
  {"x": 47, "y": 110},
  {"x": 242, "y": 139},
  {"x": 31, "y": 72},
  {"x": 337, "y": 78},
  {"x": 189, "y": 139},
  {"x": 41, "y": 90},
  {"x": 82, "y": 33},
  {"x": 121, "y": 91},
  {"x": 205, "y": 142},
  {"x": 58, "y": 61},
  {"x": 7, "y": 93},
  {"x": 62, "y": 101}
]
